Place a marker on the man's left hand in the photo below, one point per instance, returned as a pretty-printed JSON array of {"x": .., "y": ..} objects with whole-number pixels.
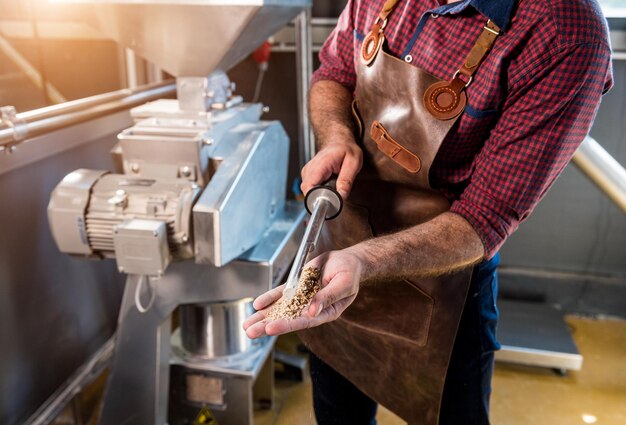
[{"x": 341, "y": 274}]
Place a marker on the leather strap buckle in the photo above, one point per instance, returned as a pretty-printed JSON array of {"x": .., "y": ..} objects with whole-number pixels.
[
  {"x": 380, "y": 22},
  {"x": 373, "y": 41},
  {"x": 489, "y": 28},
  {"x": 469, "y": 79}
]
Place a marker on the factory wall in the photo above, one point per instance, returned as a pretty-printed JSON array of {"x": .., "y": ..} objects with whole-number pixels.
[{"x": 55, "y": 310}]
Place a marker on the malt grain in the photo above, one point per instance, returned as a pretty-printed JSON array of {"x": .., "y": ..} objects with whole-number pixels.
[{"x": 308, "y": 285}]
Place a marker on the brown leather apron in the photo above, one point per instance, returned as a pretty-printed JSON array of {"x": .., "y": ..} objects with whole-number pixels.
[{"x": 394, "y": 342}]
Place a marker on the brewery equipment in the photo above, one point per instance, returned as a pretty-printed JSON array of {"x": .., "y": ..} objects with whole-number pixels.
[{"x": 195, "y": 215}]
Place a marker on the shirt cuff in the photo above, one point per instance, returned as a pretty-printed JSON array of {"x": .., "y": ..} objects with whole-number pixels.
[
  {"x": 493, "y": 221},
  {"x": 341, "y": 77}
]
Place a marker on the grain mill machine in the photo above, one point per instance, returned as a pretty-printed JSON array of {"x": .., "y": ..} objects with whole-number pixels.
[{"x": 195, "y": 214}]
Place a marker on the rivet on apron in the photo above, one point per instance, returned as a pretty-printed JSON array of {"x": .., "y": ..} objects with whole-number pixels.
[
  {"x": 408, "y": 58},
  {"x": 434, "y": 15}
]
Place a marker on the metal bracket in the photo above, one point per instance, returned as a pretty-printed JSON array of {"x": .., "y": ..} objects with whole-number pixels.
[
  {"x": 202, "y": 94},
  {"x": 8, "y": 117}
]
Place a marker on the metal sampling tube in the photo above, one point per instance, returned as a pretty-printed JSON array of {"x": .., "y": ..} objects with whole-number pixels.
[
  {"x": 323, "y": 203},
  {"x": 309, "y": 241}
]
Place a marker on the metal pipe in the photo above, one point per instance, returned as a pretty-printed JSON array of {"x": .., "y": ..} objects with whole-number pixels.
[
  {"x": 304, "y": 70},
  {"x": 324, "y": 22},
  {"x": 131, "y": 69},
  {"x": 618, "y": 56},
  {"x": 78, "y": 104},
  {"x": 52, "y": 408},
  {"x": 155, "y": 73},
  {"x": 603, "y": 170},
  {"x": 62, "y": 116}
]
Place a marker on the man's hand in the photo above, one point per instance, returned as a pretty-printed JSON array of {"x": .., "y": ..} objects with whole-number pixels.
[
  {"x": 445, "y": 244},
  {"x": 338, "y": 152},
  {"x": 342, "y": 158},
  {"x": 341, "y": 275}
]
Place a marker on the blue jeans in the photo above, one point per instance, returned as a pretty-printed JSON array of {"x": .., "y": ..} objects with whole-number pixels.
[{"x": 468, "y": 382}]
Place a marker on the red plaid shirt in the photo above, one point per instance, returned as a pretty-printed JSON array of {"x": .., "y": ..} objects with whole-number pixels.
[{"x": 530, "y": 105}]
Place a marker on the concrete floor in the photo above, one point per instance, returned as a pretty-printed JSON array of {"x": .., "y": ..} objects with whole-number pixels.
[{"x": 521, "y": 395}]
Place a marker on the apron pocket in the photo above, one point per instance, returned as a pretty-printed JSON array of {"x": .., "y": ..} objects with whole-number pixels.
[{"x": 394, "y": 309}]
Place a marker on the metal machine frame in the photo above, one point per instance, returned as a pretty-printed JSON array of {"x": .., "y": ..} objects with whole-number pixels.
[{"x": 142, "y": 358}]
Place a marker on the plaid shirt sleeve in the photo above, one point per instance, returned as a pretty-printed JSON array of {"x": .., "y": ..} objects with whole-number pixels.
[
  {"x": 546, "y": 116},
  {"x": 337, "y": 54}
]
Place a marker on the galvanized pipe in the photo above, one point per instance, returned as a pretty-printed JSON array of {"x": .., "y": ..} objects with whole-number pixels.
[
  {"x": 304, "y": 70},
  {"x": 44, "y": 120},
  {"x": 603, "y": 170}
]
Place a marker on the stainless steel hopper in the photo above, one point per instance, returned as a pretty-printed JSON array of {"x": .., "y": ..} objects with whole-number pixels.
[{"x": 192, "y": 37}]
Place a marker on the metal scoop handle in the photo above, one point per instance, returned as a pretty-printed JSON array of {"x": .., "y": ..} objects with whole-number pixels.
[{"x": 323, "y": 202}]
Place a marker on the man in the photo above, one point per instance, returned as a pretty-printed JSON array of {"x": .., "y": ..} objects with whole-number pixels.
[{"x": 445, "y": 123}]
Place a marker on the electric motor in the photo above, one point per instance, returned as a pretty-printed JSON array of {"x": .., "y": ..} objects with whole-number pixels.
[{"x": 142, "y": 222}]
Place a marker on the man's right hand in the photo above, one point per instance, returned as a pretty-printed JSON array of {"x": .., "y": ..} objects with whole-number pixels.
[
  {"x": 338, "y": 153},
  {"x": 341, "y": 157}
]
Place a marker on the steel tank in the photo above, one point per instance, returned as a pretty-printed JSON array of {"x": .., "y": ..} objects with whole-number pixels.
[{"x": 215, "y": 330}]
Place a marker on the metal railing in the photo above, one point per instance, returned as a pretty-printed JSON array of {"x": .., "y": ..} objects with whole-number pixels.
[{"x": 603, "y": 170}]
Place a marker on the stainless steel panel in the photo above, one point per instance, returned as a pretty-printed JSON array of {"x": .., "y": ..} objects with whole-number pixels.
[
  {"x": 193, "y": 37},
  {"x": 244, "y": 194},
  {"x": 618, "y": 43},
  {"x": 173, "y": 143},
  {"x": 244, "y": 386},
  {"x": 540, "y": 358},
  {"x": 536, "y": 334},
  {"x": 213, "y": 330},
  {"x": 164, "y": 155}
]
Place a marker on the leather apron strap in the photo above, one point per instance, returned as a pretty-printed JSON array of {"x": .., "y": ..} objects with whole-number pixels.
[{"x": 447, "y": 100}]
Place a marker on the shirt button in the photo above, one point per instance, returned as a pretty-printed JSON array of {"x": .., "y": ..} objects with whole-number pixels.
[
  {"x": 434, "y": 15},
  {"x": 408, "y": 58}
]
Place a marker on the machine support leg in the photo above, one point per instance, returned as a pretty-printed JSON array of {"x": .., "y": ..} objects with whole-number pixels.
[
  {"x": 137, "y": 389},
  {"x": 263, "y": 389}
]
